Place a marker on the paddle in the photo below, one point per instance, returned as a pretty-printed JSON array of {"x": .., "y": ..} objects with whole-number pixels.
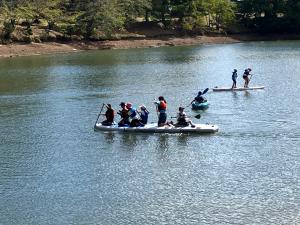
[
  {"x": 249, "y": 79},
  {"x": 197, "y": 116},
  {"x": 203, "y": 92},
  {"x": 251, "y": 76},
  {"x": 156, "y": 108},
  {"x": 99, "y": 114}
]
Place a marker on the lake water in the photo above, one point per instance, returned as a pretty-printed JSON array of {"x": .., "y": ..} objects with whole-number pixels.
[{"x": 54, "y": 169}]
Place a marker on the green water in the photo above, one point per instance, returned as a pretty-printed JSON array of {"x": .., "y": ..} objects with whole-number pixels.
[{"x": 54, "y": 169}]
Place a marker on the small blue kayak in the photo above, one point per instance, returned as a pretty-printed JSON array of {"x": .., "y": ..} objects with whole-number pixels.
[{"x": 200, "y": 106}]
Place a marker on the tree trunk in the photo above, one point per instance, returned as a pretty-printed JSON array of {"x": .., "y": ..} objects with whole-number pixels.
[{"x": 147, "y": 16}]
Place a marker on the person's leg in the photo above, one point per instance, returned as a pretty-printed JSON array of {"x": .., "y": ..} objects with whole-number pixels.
[
  {"x": 162, "y": 119},
  {"x": 126, "y": 122},
  {"x": 137, "y": 123},
  {"x": 191, "y": 123},
  {"x": 159, "y": 123},
  {"x": 247, "y": 81},
  {"x": 121, "y": 123},
  {"x": 132, "y": 124}
]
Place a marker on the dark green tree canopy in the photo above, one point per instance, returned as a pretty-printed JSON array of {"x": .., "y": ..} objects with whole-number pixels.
[{"x": 94, "y": 18}]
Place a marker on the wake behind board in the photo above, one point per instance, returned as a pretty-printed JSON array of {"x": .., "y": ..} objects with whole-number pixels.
[{"x": 238, "y": 88}]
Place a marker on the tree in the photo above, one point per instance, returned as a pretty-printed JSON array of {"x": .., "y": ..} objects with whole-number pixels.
[
  {"x": 292, "y": 15},
  {"x": 105, "y": 15},
  {"x": 183, "y": 8},
  {"x": 135, "y": 8},
  {"x": 9, "y": 19},
  {"x": 221, "y": 12},
  {"x": 262, "y": 15},
  {"x": 218, "y": 13},
  {"x": 160, "y": 9}
]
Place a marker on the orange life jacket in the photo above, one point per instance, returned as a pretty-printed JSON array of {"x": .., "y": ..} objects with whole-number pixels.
[{"x": 162, "y": 106}]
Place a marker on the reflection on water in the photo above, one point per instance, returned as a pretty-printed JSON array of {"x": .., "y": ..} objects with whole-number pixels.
[
  {"x": 235, "y": 95},
  {"x": 110, "y": 137},
  {"x": 129, "y": 142},
  {"x": 162, "y": 146},
  {"x": 54, "y": 169},
  {"x": 182, "y": 140},
  {"x": 247, "y": 94}
]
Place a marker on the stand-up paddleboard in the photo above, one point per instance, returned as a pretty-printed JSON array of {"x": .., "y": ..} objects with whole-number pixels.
[
  {"x": 238, "y": 88},
  {"x": 153, "y": 128}
]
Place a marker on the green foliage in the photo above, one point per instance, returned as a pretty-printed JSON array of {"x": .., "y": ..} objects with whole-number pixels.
[
  {"x": 4, "y": 11},
  {"x": 8, "y": 29},
  {"x": 103, "y": 15},
  {"x": 68, "y": 30},
  {"x": 218, "y": 14},
  {"x": 135, "y": 8},
  {"x": 292, "y": 15},
  {"x": 270, "y": 16},
  {"x": 188, "y": 24},
  {"x": 96, "y": 19},
  {"x": 29, "y": 29},
  {"x": 161, "y": 10}
]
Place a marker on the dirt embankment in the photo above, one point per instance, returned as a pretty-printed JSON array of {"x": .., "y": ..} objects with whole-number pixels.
[{"x": 16, "y": 49}]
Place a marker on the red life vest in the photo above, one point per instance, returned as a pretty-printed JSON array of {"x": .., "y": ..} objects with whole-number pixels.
[{"x": 162, "y": 106}]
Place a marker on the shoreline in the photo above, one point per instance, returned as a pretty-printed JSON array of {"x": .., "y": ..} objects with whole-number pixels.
[{"x": 19, "y": 49}]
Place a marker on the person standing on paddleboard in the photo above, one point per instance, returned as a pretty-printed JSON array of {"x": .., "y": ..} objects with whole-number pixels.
[
  {"x": 246, "y": 77},
  {"x": 234, "y": 77},
  {"x": 161, "y": 107}
]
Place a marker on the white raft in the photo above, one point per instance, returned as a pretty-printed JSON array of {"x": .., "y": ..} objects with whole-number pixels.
[
  {"x": 153, "y": 128},
  {"x": 238, "y": 88}
]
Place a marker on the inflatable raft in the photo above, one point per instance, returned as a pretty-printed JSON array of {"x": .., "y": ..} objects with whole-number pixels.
[
  {"x": 238, "y": 88},
  {"x": 200, "y": 106},
  {"x": 153, "y": 128}
]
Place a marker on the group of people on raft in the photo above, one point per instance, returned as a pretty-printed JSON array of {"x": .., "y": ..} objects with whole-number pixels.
[
  {"x": 245, "y": 77},
  {"x": 132, "y": 117}
]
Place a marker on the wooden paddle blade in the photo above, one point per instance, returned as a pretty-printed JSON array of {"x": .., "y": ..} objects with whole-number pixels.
[{"x": 198, "y": 116}]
